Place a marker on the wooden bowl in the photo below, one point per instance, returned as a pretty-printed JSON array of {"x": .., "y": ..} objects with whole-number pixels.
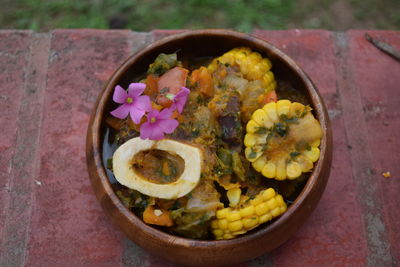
[{"x": 189, "y": 251}]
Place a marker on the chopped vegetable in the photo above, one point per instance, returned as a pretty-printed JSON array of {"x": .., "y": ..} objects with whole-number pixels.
[
  {"x": 157, "y": 216},
  {"x": 163, "y": 63},
  {"x": 172, "y": 81},
  {"x": 203, "y": 81}
]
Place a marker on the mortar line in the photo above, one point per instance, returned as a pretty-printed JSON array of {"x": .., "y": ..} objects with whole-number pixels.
[
  {"x": 25, "y": 161},
  {"x": 378, "y": 244}
]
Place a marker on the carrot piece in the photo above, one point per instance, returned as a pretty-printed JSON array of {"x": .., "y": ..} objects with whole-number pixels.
[
  {"x": 157, "y": 216},
  {"x": 204, "y": 80},
  {"x": 173, "y": 79},
  {"x": 271, "y": 97},
  {"x": 151, "y": 85}
]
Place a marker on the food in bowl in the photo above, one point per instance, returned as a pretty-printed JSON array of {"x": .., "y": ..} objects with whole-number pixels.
[{"x": 210, "y": 148}]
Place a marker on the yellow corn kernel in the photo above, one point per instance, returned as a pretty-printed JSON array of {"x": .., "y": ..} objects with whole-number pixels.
[
  {"x": 247, "y": 211},
  {"x": 240, "y": 58},
  {"x": 265, "y": 218},
  {"x": 239, "y": 232},
  {"x": 258, "y": 165},
  {"x": 281, "y": 170},
  {"x": 257, "y": 200},
  {"x": 228, "y": 236},
  {"x": 223, "y": 224},
  {"x": 233, "y": 216},
  {"x": 252, "y": 126},
  {"x": 222, "y": 213},
  {"x": 249, "y": 140},
  {"x": 259, "y": 116},
  {"x": 250, "y": 222},
  {"x": 245, "y": 67},
  {"x": 270, "y": 110},
  {"x": 228, "y": 58},
  {"x": 269, "y": 170},
  {"x": 218, "y": 232},
  {"x": 261, "y": 208},
  {"x": 312, "y": 154},
  {"x": 305, "y": 163},
  {"x": 279, "y": 200},
  {"x": 268, "y": 78},
  {"x": 276, "y": 212},
  {"x": 272, "y": 203},
  {"x": 283, "y": 208},
  {"x": 316, "y": 143},
  {"x": 293, "y": 170},
  {"x": 267, "y": 63},
  {"x": 254, "y": 73},
  {"x": 235, "y": 226},
  {"x": 268, "y": 194},
  {"x": 296, "y": 109},
  {"x": 233, "y": 196},
  {"x": 255, "y": 57},
  {"x": 271, "y": 87},
  {"x": 283, "y": 107},
  {"x": 252, "y": 155},
  {"x": 214, "y": 224}
]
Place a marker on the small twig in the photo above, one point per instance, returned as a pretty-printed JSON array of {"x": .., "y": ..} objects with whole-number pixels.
[{"x": 387, "y": 48}]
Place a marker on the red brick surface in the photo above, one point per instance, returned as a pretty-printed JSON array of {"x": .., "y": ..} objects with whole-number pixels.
[{"x": 52, "y": 80}]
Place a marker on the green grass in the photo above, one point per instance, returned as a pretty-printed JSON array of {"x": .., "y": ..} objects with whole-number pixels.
[{"x": 242, "y": 15}]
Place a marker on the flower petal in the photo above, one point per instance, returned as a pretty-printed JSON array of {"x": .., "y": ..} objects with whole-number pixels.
[
  {"x": 167, "y": 125},
  {"x": 119, "y": 95},
  {"x": 136, "y": 114},
  {"x": 157, "y": 135},
  {"x": 166, "y": 113},
  {"x": 145, "y": 130},
  {"x": 143, "y": 102},
  {"x": 121, "y": 112},
  {"x": 136, "y": 89},
  {"x": 180, "y": 99},
  {"x": 152, "y": 114},
  {"x": 151, "y": 131}
]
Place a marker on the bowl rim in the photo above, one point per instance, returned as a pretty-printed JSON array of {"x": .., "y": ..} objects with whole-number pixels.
[{"x": 94, "y": 134}]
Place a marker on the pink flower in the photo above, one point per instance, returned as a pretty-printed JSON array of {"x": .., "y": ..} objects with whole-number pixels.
[
  {"x": 158, "y": 123},
  {"x": 133, "y": 102},
  {"x": 179, "y": 100}
]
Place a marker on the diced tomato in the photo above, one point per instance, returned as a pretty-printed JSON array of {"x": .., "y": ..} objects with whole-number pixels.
[{"x": 173, "y": 79}]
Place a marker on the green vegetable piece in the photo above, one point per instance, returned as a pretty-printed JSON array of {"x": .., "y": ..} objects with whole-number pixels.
[
  {"x": 237, "y": 166},
  {"x": 163, "y": 63}
]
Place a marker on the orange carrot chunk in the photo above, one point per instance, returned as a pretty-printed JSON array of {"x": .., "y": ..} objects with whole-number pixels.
[
  {"x": 271, "y": 97},
  {"x": 203, "y": 80},
  {"x": 157, "y": 216}
]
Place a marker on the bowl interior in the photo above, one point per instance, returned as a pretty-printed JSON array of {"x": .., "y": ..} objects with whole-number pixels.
[{"x": 197, "y": 44}]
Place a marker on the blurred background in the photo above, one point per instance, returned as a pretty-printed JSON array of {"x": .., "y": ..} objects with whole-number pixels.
[{"x": 242, "y": 15}]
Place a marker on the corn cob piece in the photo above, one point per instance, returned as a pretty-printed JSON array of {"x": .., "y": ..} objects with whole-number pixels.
[
  {"x": 252, "y": 65},
  {"x": 282, "y": 140},
  {"x": 233, "y": 221}
]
